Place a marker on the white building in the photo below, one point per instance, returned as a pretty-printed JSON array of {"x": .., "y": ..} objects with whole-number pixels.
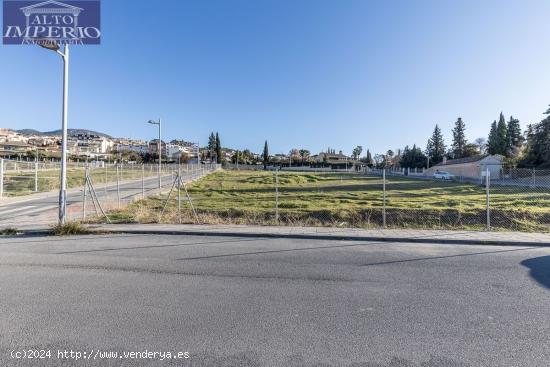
[
  {"x": 173, "y": 151},
  {"x": 89, "y": 145},
  {"x": 131, "y": 147},
  {"x": 7, "y": 135}
]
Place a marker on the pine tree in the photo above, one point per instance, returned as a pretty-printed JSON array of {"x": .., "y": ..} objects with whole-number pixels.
[
  {"x": 514, "y": 139},
  {"x": 459, "y": 139},
  {"x": 436, "y": 147},
  {"x": 266, "y": 155},
  {"x": 218, "y": 149}
]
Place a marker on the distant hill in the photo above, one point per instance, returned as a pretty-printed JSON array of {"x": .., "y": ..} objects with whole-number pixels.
[{"x": 58, "y": 132}]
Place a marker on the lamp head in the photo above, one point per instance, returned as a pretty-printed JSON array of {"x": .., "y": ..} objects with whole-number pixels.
[{"x": 48, "y": 44}]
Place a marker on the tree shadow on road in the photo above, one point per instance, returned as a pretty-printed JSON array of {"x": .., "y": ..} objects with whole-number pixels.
[{"x": 540, "y": 269}]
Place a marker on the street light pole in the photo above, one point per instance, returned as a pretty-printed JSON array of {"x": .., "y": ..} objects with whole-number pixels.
[
  {"x": 63, "y": 189},
  {"x": 160, "y": 155},
  {"x": 159, "y": 148},
  {"x": 53, "y": 46}
]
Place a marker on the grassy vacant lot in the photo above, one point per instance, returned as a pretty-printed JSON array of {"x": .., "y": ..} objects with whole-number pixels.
[{"x": 349, "y": 200}]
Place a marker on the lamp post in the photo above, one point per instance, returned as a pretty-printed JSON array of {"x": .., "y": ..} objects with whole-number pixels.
[
  {"x": 159, "y": 123},
  {"x": 53, "y": 46}
]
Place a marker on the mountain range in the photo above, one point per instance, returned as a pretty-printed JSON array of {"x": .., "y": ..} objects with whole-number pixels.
[{"x": 58, "y": 132}]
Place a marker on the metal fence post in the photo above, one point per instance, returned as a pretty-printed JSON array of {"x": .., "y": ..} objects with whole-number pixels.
[
  {"x": 84, "y": 194},
  {"x": 277, "y": 195},
  {"x": 488, "y": 200},
  {"x": 384, "y": 198},
  {"x": 534, "y": 177},
  {"x": 143, "y": 181},
  {"x": 105, "y": 164},
  {"x": 179, "y": 193},
  {"x": 35, "y": 176},
  {"x": 118, "y": 186},
  {"x": 1, "y": 178}
]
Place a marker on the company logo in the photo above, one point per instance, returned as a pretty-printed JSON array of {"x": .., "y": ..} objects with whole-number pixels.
[{"x": 48, "y": 22}]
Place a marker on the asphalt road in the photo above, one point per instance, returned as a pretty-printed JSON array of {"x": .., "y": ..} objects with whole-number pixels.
[
  {"x": 43, "y": 208},
  {"x": 273, "y": 302}
]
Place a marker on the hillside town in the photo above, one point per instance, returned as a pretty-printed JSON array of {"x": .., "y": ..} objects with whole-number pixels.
[
  {"x": 84, "y": 144},
  {"x": 28, "y": 145}
]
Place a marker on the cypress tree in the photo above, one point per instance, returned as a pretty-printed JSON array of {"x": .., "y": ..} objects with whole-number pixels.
[
  {"x": 211, "y": 144},
  {"x": 266, "y": 155},
  {"x": 514, "y": 139},
  {"x": 502, "y": 133},
  {"x": 369, "y": 162},
  {"x": 405, "y": 160},
  {"x": 529, "y": 146},
  {"x": 218, "y": 149},
  {"x": 492, "y": 141}
]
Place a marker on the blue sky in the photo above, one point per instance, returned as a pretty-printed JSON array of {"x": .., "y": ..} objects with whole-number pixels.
[{"x": 299, "y": 73}]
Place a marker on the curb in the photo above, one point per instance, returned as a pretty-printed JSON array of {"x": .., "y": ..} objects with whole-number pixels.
[{"x": 447, "y": 241}]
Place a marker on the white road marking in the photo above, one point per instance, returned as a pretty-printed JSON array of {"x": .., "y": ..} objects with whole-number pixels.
[
  {"x": 26, "y": 213},
  {"x": 17, "y": 209}
]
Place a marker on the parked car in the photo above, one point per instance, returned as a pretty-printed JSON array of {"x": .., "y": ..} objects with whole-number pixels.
[{"x": 442, "y": 175}]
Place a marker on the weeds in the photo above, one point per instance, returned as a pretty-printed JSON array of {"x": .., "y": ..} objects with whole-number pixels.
[
  {"x": 9, "y": 231},
  {"x": 69, "y": 229}
]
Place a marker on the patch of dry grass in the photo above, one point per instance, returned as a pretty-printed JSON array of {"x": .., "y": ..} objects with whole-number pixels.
[{"x": 69, "y": 229}]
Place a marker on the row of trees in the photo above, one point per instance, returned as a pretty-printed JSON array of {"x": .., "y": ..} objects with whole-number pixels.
[
  {"x": 537, "y": 144},
  {"x": 529, "y": 149},
  {"x": 436, "y": 149},
  {"x": 246, "y": 156},
  {"x": 505, "y": 138},
  {"x": 214, "y": 148}
]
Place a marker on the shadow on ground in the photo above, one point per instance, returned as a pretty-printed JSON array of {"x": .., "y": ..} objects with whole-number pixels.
[
  {"x": 540, "y": 269},
  {"x": 250, "y": 359}
]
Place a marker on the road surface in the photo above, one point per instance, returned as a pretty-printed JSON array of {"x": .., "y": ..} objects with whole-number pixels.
[{"x": 230, "y": 301}]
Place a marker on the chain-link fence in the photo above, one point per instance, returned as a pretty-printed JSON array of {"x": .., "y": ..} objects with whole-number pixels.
[
  {"x": 93, "y": 189},
  {"x": 130, "y": 186},
  {"x": 520, "y": 199},
  {"x": 19, "y": 178},
  {"x": 361, "y": 200}
]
